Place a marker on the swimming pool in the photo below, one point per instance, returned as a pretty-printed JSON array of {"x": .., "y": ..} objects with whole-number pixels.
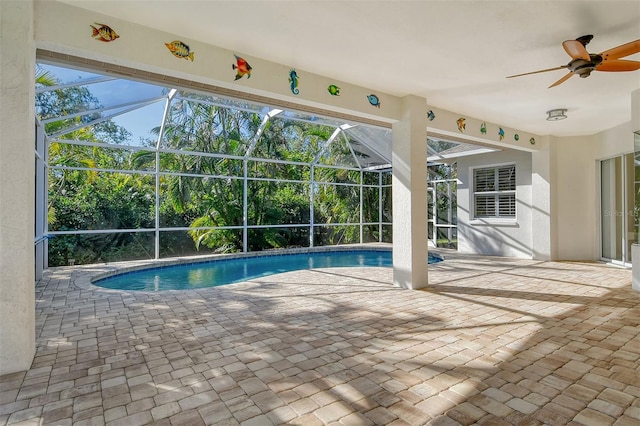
[{"x": 228, "y": 271}]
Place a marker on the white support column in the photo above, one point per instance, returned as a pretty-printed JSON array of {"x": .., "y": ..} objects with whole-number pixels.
[
  {"x": 409, "y": 187},
  {"x": 17, "y": 186},
  {"x": 542, "y": 215}
]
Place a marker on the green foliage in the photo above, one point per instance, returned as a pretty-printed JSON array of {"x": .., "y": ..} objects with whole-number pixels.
[
  {"x": 196, "y": 189},
  {"x": 45, "y": 78},
  {"x": 222, "y": 240},
  {"x": 106, "y": 201}
]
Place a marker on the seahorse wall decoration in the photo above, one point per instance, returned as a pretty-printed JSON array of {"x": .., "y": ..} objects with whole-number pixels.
[{"x": 293, "y": 81}]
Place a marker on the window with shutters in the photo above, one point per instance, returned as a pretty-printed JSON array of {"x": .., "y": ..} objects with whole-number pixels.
[{"x": 494, "y": 192}]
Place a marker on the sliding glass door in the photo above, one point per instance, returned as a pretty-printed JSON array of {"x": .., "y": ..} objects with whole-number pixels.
[{"x": 616, "y": 208}]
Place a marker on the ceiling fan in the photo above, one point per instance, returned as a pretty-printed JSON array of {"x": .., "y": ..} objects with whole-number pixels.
[{"x": 583, "y": 62}]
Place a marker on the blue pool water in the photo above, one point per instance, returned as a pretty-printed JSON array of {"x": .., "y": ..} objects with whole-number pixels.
[{"x": 228, "y": 271}]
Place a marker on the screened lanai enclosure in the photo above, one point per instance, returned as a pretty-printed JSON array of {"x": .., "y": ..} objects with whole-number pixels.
[{"x": 130, "y": 170}]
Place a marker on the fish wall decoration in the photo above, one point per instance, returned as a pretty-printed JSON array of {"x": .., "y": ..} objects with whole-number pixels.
[
  {"x": 334, "y": 90},
  {"x": 461, "y": 123},
  {"x": 103, "y": 33},
  {"x": 483, "y": 128},
  {"x": 532, "y": 141},
  {"x": 242, "y": 68},
  {"x": 374, "y": 100},
  {"x": 294, "y": 81},
  {"x": 431, "y": 115},
  {"x": 516, "y": 137},
  {"x": 180, "y": 50},
  {"x": 501, "y": 133}
]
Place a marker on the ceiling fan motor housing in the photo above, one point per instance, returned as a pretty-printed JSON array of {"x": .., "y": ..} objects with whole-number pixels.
[{"x": 582, "y": 67}]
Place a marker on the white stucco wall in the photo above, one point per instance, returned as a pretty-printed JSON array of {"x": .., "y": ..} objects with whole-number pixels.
[
  {"x": 577, "y": 189},
  {"x": 505, "y": 238},
  {"x": 559, "y": 217},
  {"x": 17, "y": 186},
  {"x": 615, "y": 141},
  {"x": 576, "y": 213}
]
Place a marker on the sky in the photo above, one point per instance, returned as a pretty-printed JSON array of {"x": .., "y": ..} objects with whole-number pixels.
[{"x": 139, "y": 122}]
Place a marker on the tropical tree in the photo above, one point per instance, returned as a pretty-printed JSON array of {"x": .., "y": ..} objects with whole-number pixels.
[
  {"x": 44, "y": 78},
  {"x": 204, "y": 191}
]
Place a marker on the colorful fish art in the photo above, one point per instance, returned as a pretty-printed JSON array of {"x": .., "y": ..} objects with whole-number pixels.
[
  {"x": 483, "y": 128},
  {"x": 516, "y": 137},
  {"x": 103, "y": 33},
  {"x": 180, "y": 50},
  {"x": 374, "y": 100},
  {"x": 431, "y": 115},
  {"x": 532, "y": 141},
  {"x": 501, "y": 133},
  {"x": 294, "y": 81},
  {"x": 461, "y": 122},
  {"x": 242, "y": 67},
  {"x": 334, "y": 90}
]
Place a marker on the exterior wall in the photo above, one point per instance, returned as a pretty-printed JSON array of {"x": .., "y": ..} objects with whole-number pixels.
[
  {"x": 613, "y": 142},
  {"x": 506, "y": 238},
  {"x": 17, "y": 186},
  {"x": 576, "y": 213},
  {"x": 444, "y": 124},
  {"x": 577, "y": 189},
  {"x": 565, "y": 184}
]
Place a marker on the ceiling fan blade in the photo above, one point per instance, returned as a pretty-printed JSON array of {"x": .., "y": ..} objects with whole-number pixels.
[
  {"x": 562, "y": 80},
  {"x": 618, "y": 65},
  {"x": 536, "y": 72},
  {"x": 622, "y": 50},
  {"x": 576, "y": 50}
]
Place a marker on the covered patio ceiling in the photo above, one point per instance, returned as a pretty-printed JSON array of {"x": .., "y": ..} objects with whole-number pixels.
[{"x": 456, "y": 54}]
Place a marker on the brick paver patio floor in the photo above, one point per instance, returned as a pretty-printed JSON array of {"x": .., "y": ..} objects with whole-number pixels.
[{"x": 490, "y": 341}]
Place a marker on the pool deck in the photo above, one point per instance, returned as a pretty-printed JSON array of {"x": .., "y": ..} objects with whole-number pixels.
[{"x": 490, "y": 341}]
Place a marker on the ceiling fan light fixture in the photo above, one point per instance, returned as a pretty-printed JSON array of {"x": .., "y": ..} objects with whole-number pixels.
[{"x": 556, "y": 114}]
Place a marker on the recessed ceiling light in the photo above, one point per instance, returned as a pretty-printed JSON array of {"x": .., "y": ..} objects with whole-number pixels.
[{"x": 556, "y": 114}]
